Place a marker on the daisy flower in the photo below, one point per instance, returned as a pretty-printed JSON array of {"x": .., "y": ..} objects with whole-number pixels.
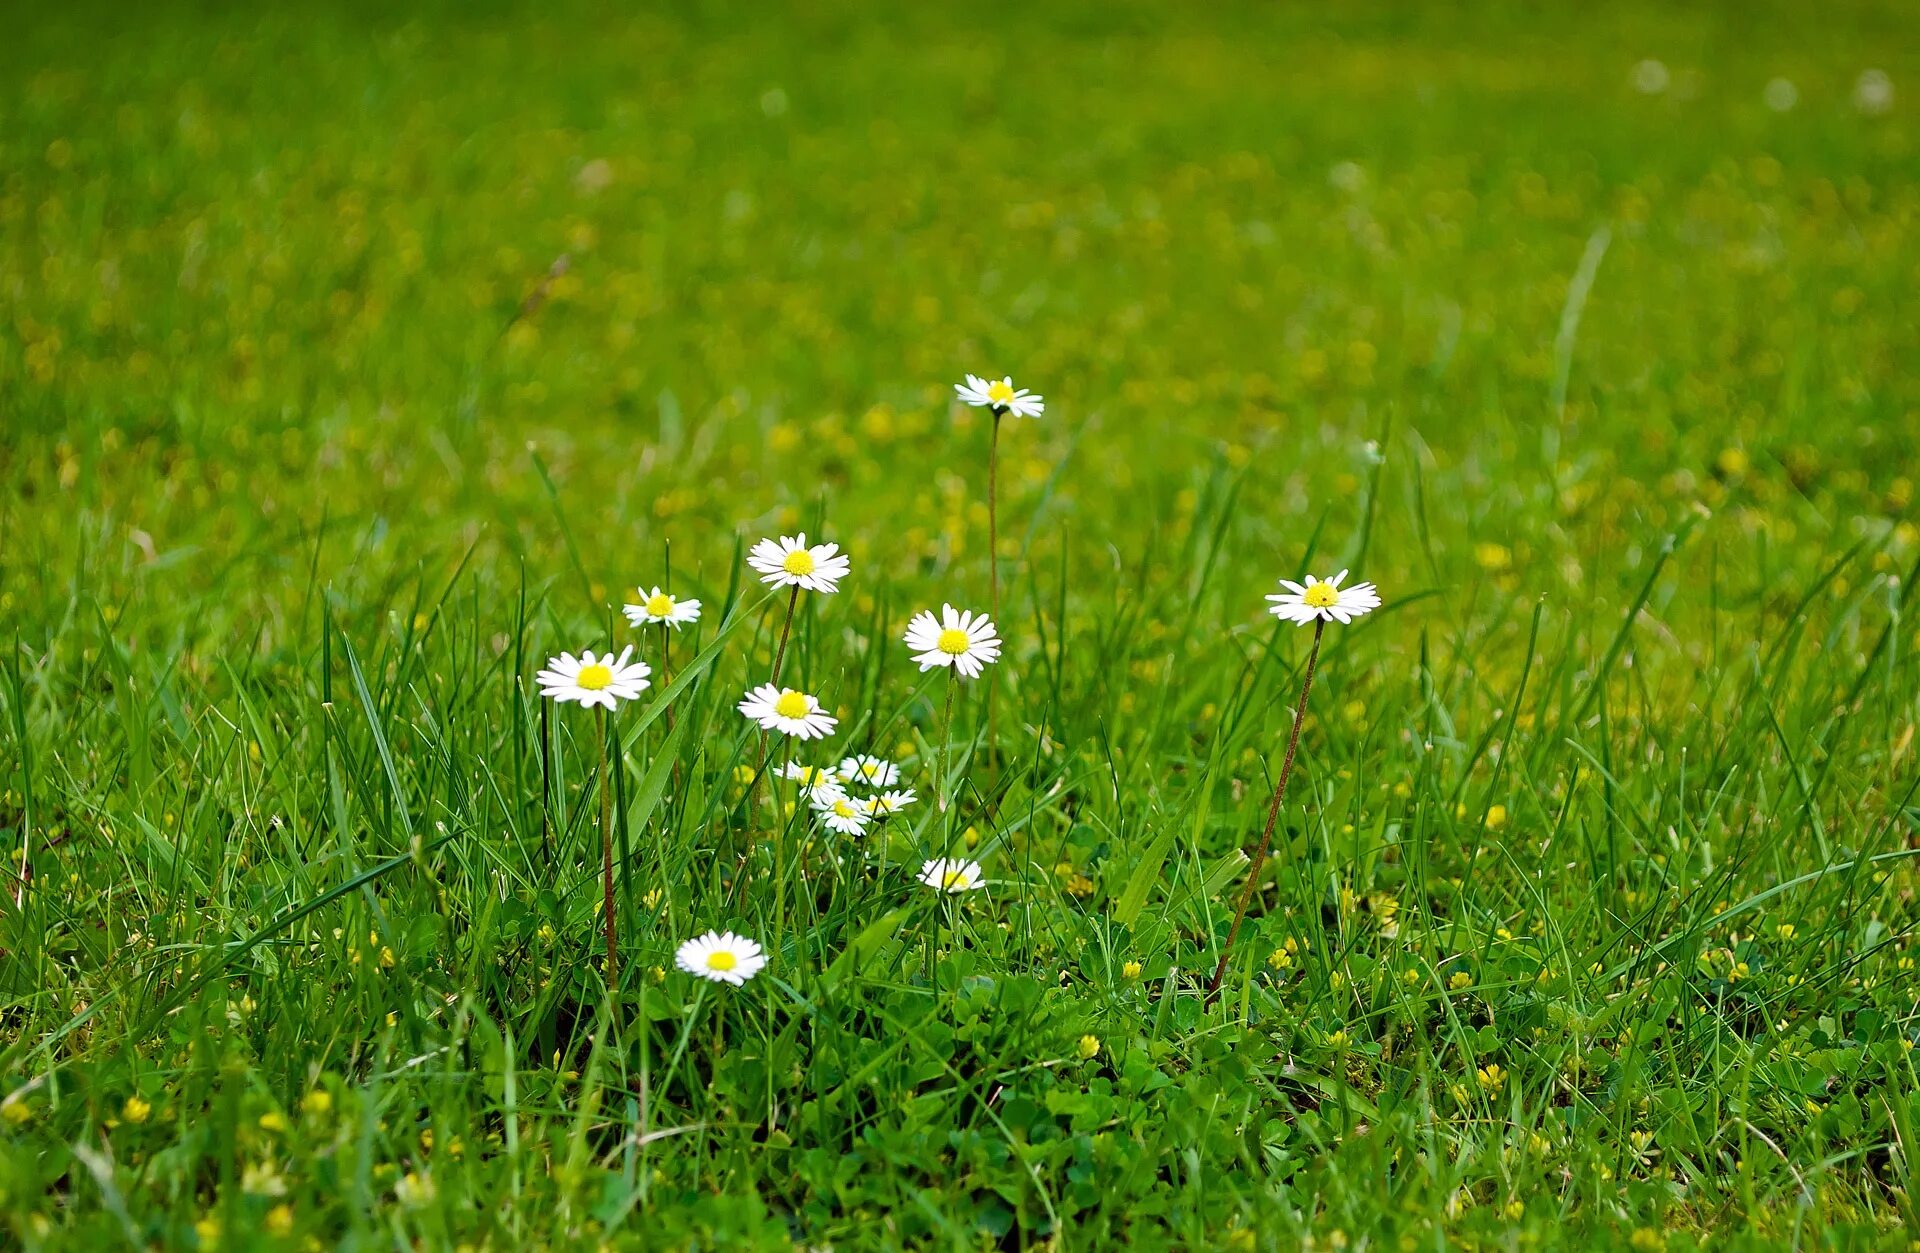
[
  {"x": 868, "y": 771},
  {"x": 965, "y": 641},
  {"x": 841, "y": 813},
  {"x": 951, "y": 876},
  {"x": 594, "y": 679},
  {"x": 887, "y": 804},
  {"x": 659, "y": 606},
  {"x": 817, "y": 780},
  {"x": 722, "y": 958},
  {"x": 1324, "y": 599},
  {"x": 788, "y": 562},
  {"x": 783, "y": 709},
  {"x": 1000, "y": 397}
]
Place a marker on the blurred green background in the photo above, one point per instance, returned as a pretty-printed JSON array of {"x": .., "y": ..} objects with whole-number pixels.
[{"x": 261, "y": 273}]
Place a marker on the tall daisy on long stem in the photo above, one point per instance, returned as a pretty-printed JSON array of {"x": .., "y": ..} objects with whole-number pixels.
[
  {"x": 669, "y": 612},
  {"x": 605, "y": 681},
  {"x": 1318, "y": 601},
  {"x": 1000, "y": 398},
  {"x": 790, "y": 562},
  {"x": 966, "y": 643}
]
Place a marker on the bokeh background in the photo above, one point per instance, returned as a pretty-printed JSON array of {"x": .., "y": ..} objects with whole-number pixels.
[{"x": 276, "y": 296}]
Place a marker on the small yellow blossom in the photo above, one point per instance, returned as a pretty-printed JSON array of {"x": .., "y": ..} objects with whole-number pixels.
[
  {"x": 1089, "y": 1046},
  {"x": 136, "y": 1109},
  {"x": 1130, "y": 971}
]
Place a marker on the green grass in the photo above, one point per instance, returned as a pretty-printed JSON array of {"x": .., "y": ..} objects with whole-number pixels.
[{"x": 1591, "y": 914}]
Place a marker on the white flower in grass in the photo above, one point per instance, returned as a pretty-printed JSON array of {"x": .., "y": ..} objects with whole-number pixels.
[
  {"x": 815, "y": 780},
  {"x": 594, "y": 679},
  {"x": 868, "y": 771},
  {"x": 1001, "y": 397},
  {"x": 659, "y": 606},
  {"x": 1324, "y": 599},
  {"x": 722, "y": 958},
  {"x": 841, "y": 813},
  {"x": 788, "y": 562},
  {"x": 951, "y": 876},
  {"x": 965, "y": 641},
  {"x": 786, "y": 710},
  {"x": 888, "y": 804}
]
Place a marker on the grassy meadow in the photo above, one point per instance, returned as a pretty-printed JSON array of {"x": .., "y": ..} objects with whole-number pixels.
[{"x": 354, "y": 362}]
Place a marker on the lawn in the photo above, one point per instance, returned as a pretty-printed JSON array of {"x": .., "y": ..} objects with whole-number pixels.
[{"x": 355, "y": 362}]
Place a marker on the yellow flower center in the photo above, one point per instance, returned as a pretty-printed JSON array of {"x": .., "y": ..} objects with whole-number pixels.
[
  {"x": 953, "y": 642},
  {"x": 868, "y": 769},
  {"x": 844, "y": 809},
  {"x": 1321, "y": 595},
  {"x": 953, "y": 879},
  {"x": 1000, "y": 393},
  {"x": 722, "y": 960},
  {"x": 792, "y": 704},
  {"x": 595, "y": 678},
  {"x": 659, "y": 604},
  {"x": 799, "y": 561}
]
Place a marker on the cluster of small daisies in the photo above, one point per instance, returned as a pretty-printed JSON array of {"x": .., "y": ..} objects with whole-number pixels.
[
  {"x": 860, "y": 790},
  {"x": 845, "y": 811}
]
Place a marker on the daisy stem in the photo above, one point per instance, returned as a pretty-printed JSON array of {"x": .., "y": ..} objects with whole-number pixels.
[
  {"x": 606, "y": 846},
  {"x": 993, "y": 558},
  {"x": 666, "y": 678},
  {"x": 779, "y": 847},
  {"x": 1273, "y": 811},
  {"x": 946, "y": 752},
  {"x": 780, "y": 653}
]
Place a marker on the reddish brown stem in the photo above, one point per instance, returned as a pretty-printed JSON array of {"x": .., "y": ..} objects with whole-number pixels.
[{"x": 1273, "y": 813}]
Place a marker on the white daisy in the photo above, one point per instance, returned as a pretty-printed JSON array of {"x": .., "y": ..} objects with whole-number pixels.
[
  {"x": 868, "y": 771},
  {"x": 783, "y": 709},
  {"x": 788, "y": 562},
  {"x": 841, "y": 813},
  {"x": 1000, "y": 397},
  {"x": 659, "y": 606},
  {"x": 965, "y": 641},
  {"x": 887, "y": 804},
  {"x": 722, "y": 958},
  {"x": 1324, "y": 599},
  {"x": 815, "y": 780},
  {"x": 594, "y": 679},
  {"x": 951, "y": 876}
]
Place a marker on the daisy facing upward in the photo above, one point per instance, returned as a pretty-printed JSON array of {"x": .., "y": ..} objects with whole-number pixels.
[
  {"x": 964, "y": 640},
  {"x": 787, "y": 711},
  {"x": 1323, "y": 599},
  {"x": 943, "y": 875},
  {"x": 789, "y": 562},
  {"x": 590, "y": 679},
  {"x": 659, "y": 607},
  {"x": 1318, "y": 601},
  {"x": 605, "y": 681},
  {"x": 721, "y": 957},
  {"x": 1000, "y": 398}
]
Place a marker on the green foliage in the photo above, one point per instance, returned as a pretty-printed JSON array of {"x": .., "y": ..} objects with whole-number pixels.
[{"x": 352, "y": 363}]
